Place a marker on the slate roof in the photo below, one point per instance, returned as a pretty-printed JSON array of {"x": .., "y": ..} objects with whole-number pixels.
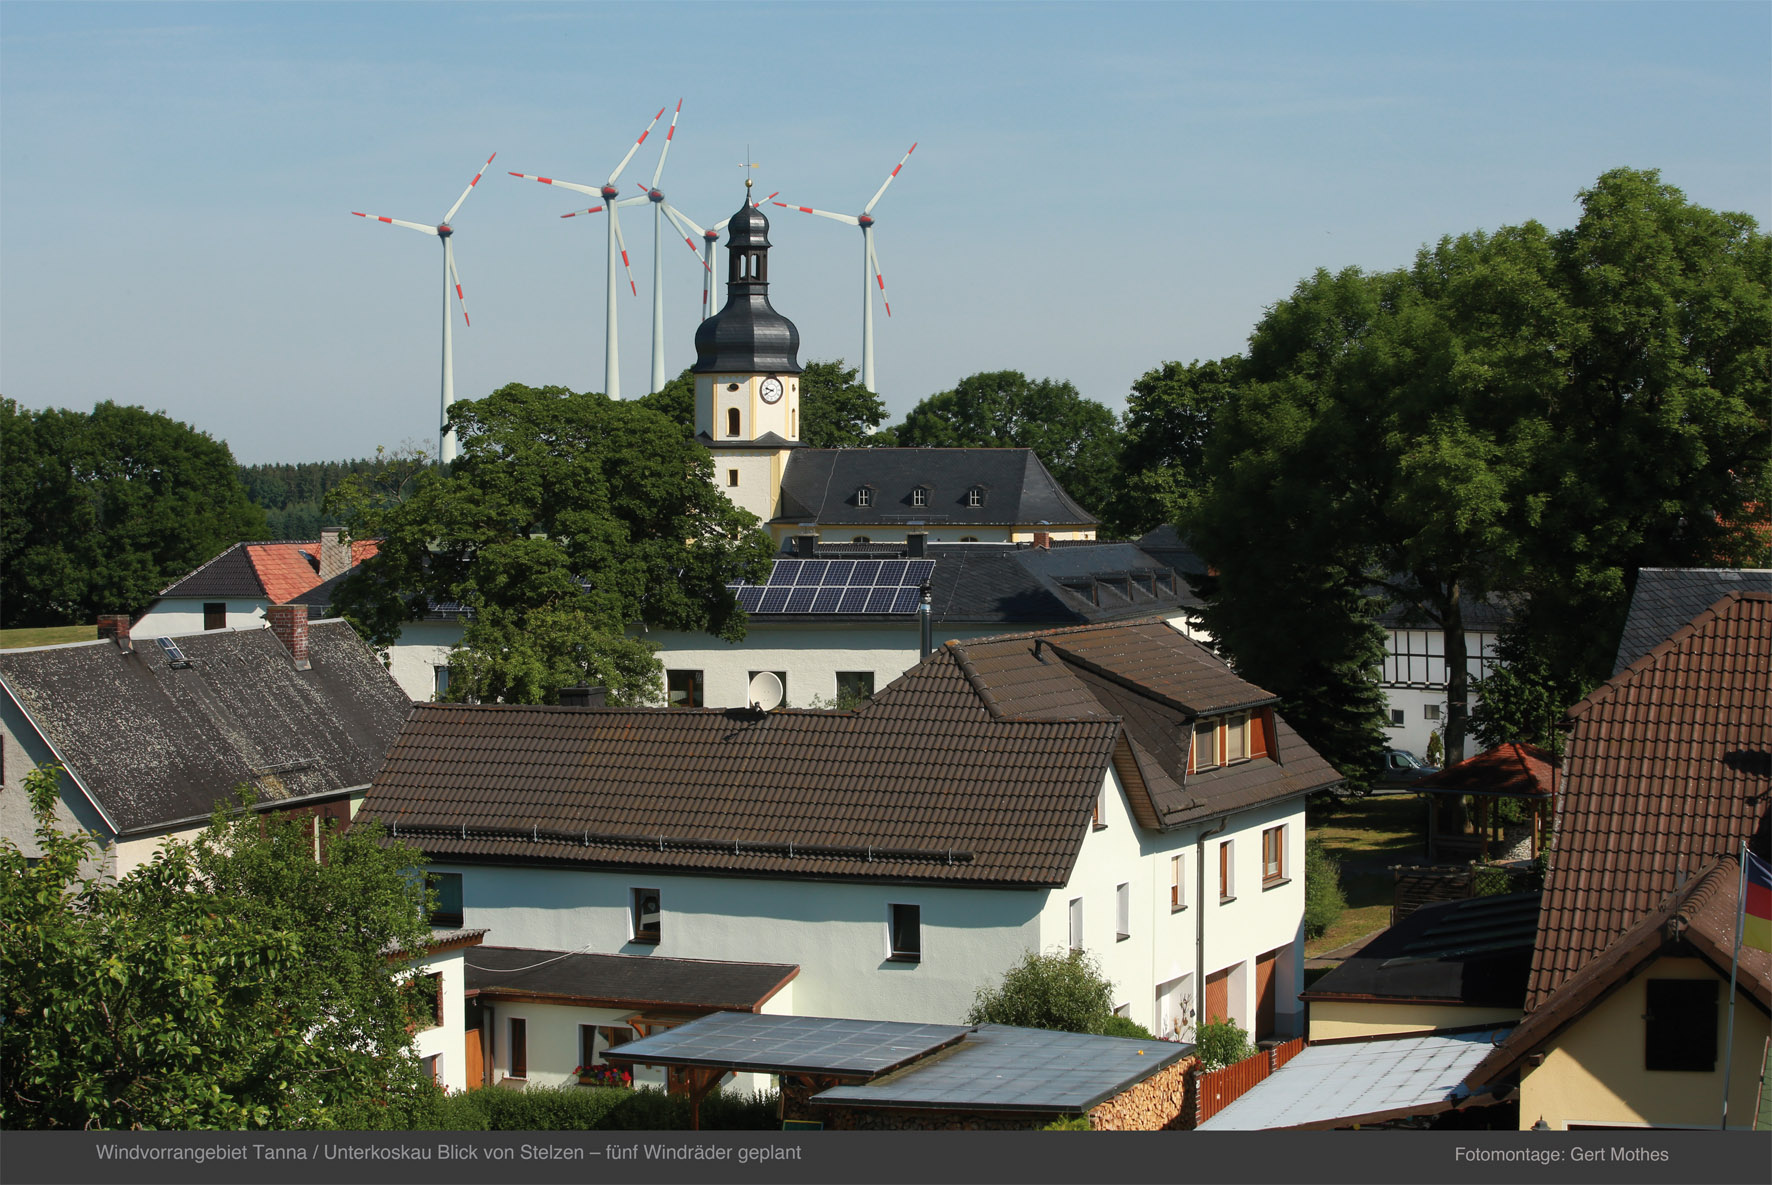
[
  {"x": 1696, "y": 919},
  {"x": 931, "y": 781},
  {"x": 1514, "y": 768},
  {"x": 1473, "y": 952},
  {"x": 1667, "y": 598},
  {"x": 1665, "y": 771},
  {"x": 278, "y": 571},
  {"x": 154, "y": 744},
  {"x": 818, "y": 485},
  {"x": 624, "y": 981}
]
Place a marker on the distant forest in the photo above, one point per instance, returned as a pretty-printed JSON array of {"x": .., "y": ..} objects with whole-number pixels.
[{"x": 294, "y": 496}]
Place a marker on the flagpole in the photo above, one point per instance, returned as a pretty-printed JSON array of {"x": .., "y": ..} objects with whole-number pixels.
[{"x": 1734, "y": 965}]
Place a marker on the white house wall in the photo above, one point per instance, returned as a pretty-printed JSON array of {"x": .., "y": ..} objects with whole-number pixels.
[
  {"x": 447, "y": 1040},
  {"x": 171, "y": 616},
  {"x": 1258, "y": 918},
  {"x": 423, "y": 647},
  {"x": 1414, "y": 682}
]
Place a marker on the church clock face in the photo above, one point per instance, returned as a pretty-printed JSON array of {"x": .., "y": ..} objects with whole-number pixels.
[{"x": 770, "y": 389}]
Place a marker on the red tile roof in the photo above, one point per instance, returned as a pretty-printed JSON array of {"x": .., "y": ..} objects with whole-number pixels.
[
  {"x": 1664, "y": 775},
  {"x": 1514, "y": 768},
  {"x": 277, "y": 571}
]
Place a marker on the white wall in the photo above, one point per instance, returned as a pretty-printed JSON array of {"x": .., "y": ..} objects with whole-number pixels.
[
  {"x": 423, "y": 647},
  {"x": 448, "y": 1038},
  {"x": 171, "y": 616},
  {"x": 1259, "y": 918},
  {"x": 1414, "y": 681}
]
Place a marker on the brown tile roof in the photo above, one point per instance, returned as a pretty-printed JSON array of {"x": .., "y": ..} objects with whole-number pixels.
[
  {"x": 1514, "y": 768},
  {"x": 932, "y": 781},
  {"x": 1697, "y": 919},
  {"x": 1662, "y": 778}
]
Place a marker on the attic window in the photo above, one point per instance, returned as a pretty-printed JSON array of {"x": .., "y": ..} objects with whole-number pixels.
[
  {"x": 920, "y": 496},
  {"x": 975, "y": 496},
  {"x": 864, "y": 496}
]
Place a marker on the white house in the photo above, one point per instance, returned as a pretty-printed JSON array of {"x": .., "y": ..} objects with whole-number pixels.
[
  {"x": 1111, "y": 788},
  {"x": 234, "y": 589}
]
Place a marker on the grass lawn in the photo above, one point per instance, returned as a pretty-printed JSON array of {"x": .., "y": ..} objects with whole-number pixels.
[
  {"x": 49, "y": 635},
  {"x": 1368, "y": 836}
]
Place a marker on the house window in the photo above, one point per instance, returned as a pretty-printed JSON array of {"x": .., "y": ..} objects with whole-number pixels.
[
  {"x": 1227, "y": 882},
  {"x": 861, "y": 539},
  {"x": 1097, "y": 822},
  {"x": 440, "y": 681},
  {"x": 920, "y": 496},
  {"x": 1177, "y": 883},
  {"x": 1396, "y": 717},
  {"x": 975, "y": 496},
  {"x": 433, "y": 1066},
  {"x": 1273, "y": 855},
  {"x": 1205, "y": 744},
  {"x": 1122, "y": 912},
  {"x": 643, "y": 905},
  {"x": 732, "y": 422},
  {"x": 518, "y": 1049},
  {"x": 683, "y": 689},
  {"x": 587, "y": 1046},
  {"x": 864, "y": 496},
  {"x": 447, "y": 887},
  {"x": 1680, "y": 1026},
  {"x": 969, "y": 539},
  {"x": 1236, "y": 737},
  {"x": 1430, "y": 711},
  {"x": 434, "y": 997},
  {"x": 732, "y": 477},
  {"x": 904, "y": 933},
  {"x": 854, "y": 686},
  {"x": 1076, "y": 923},
  {"x": 215, "y": 615}
]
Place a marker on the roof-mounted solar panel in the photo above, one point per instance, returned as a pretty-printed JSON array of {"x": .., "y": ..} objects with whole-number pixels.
[
  {"x": 827, "y": 600},
  {"x": 800, "y": 600},
  {"x": 773, "y": 600},
  {"x": 811, "y": 572}
]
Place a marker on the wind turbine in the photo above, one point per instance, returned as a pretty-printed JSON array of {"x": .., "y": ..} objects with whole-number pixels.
[
  {"x": 660, "y": 210},
  {"x": 709, "y": 239},
  {"x": 608, "y": 192},
  {"x": 445, "y": 437},
  {"x": 870, "y": 265}
]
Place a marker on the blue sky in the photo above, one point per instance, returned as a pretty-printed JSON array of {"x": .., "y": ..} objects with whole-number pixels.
[{"x": 1096, "y": 189}]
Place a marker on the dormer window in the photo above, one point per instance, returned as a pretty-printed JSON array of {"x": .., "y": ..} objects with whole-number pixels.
[
  {"x": 920, "y": 496},
  {"x": 975, "y": 496},
  {"x": 864, "y": 496}
]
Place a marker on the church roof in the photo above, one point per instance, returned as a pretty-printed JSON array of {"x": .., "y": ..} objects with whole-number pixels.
[
  {"x": 820, "y": 486},
  {"x": 747, "y": 336}
]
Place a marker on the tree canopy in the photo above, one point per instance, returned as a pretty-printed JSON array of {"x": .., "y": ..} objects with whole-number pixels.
[
  {"x": 1077, "y": 439},
  {"x": 836, "y": 411},
  {"x": 100, "y": 510},
  {"x": 231, "y": 982},
  {"x": 1168, "y": 419},
  {"x": 566, "y": 518}
]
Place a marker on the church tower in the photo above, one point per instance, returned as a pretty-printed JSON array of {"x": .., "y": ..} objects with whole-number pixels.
[{"x": 747, "y": 375}]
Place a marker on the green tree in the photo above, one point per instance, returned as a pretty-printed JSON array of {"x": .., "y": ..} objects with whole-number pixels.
[
  {"x": 103, "y": 509},
  {"x": 565, "y": 519},
  {"x": 1059, "y": 989},
  {"x": 231, "y": 982},
  {"x": 1324, "y": 901},
  {"x": 1168, "y": 420},
  {"x": 1524, "y": 698},
  {"x": 1077, "y": 439},
  {"x": 675, "y": 401},
  {"x": 836, "y": 411}
]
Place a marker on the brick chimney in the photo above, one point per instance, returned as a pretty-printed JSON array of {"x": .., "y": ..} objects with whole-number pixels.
[
  {"x": 806, "y": 546},
  {"x": 1043, "y": 539},
  {"x": 290, "y": 624},
  {"x": 335, "y": 553},
  {"x": 116, "y": 627}
]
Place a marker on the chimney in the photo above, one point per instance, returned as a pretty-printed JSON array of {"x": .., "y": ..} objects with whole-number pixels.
[
  {"x": 116, "y": 627},
  {"x": 1043, "y": 539},
  {"x": 584, "y": 697},
  {"x": 925, "y": 622},
  {"x": 335, "y": 553},
  {"x": 916, "y": 544},
  {"x": 806, "y": 546},
  {"x": 290, "y": 624}
]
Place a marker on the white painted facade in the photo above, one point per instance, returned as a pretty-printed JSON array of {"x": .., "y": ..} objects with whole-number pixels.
[
  {"x": 169, "y": 617},
  {"x": 445, "y": 1041},
  {"x": 1414, "y": 682}
]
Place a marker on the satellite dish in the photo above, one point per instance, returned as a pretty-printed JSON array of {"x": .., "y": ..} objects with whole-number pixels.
[{"x": 765, "y": 691}]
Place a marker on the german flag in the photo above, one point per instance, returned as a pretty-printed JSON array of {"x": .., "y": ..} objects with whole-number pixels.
[{"x": 1756, "y": 908}]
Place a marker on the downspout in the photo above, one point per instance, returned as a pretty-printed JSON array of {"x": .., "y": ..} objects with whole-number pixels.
[
  {"x": 1200, "y": 925},
  {"x": 926, "y": 622}
]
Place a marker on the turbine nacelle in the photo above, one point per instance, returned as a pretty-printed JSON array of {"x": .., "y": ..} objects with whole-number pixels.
[
  {"x": 655, "y": 195},
  {"x": 444, "y": 230},
  {"x": 610, "y": 193},
  {"x": 866, "y": 220}
]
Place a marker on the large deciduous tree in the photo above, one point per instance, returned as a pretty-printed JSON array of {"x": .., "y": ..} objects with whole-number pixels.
[
  {"x": 566, "y": 519},
  {"x": 100, "y": 510},
  {"x": 231, "y": 982},
  {"x": 1168, "y": 420},
  {"x": 836, "y": 411},
  {"x": 1078, "y": 439}
]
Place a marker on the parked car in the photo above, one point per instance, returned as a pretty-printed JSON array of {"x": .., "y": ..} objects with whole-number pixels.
[{"x": 1403, "y": 768}]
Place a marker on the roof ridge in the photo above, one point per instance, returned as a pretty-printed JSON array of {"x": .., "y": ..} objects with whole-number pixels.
[
  {"x": 1673, "y": 642},
  {"x": 1120, "y": 624}
]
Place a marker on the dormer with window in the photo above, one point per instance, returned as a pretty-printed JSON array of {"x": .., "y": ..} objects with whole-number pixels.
[
  {"x": 1231, "y": 738},
  {"x": 920, "y": 496},
  {"x": 975, "y": 496},
  {"x": 864, "y": 496}
]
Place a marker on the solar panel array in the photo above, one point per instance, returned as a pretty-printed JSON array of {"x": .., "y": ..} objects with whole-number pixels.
[
  {"x": 810, "y": 1044},
  {"x": 847, "y": 587}
]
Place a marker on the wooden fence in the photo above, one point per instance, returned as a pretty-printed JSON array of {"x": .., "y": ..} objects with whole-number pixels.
[{"x": 1218, "y": 1089}]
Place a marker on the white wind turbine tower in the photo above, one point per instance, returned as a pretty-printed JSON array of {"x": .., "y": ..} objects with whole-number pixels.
[
  {"x": 608, "y": 192},
  {"x": 445, "y": 437},
  {"x": 870, "y": 266}
]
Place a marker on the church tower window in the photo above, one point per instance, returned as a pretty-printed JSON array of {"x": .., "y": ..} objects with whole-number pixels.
[{"x": 732, "y": 421}]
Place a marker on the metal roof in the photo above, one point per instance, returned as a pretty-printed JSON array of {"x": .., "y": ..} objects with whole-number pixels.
[
  {"x": 757, "y": 1043},
  {"x": 1002, "y": 1068},
  {"x": 1338, "y": 1085}
]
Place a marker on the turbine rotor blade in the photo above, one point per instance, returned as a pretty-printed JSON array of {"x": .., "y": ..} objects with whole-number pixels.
[
  {"x": 874, "y": 266},
  {"x": 592, "y": 190},
  {"x": 449, "y": 257},
  {"x": 615, "y": 216},
  {"x": 666, "y": 150},
  {"x": 677, "y": 221},
  {"x": 576, "y": 213},
  {"x": 851, "y": 219},
  {"x": 869, "y": 208},
  {"x": 430, "y": 230},
  {"x": 635, "y": 148},
  {"x": 468, "y": 190}
]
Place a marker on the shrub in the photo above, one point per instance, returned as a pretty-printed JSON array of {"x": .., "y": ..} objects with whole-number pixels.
[
  {"x": 1060, "y": 989},
  {"x": 1121, "y": 1026},
  {"x": 1076, "y": 1123},
  {"x": 1323, "y": 899},
  {"x": 1221, "y": 1043},
  {"x": 598, "y": 1108}
]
